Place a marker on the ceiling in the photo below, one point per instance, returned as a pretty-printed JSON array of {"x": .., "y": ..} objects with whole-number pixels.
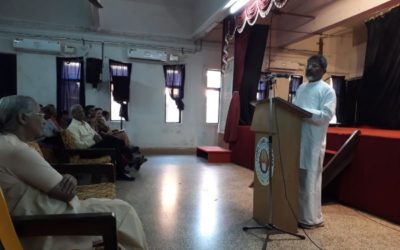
[
  {"x": 184, "y": 21},
  {"x": 300, "y": 19}
]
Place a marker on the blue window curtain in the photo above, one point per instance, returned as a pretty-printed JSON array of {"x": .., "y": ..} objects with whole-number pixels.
[
  {"x": 70, "y": 85},
  {"x": 175, "y": 82},
  {"x": 120, "y": 77},
  {"x": 294, "y": 83}
]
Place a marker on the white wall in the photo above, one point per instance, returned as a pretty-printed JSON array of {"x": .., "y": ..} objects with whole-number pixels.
[
  {"x": 345, "y": 52},
  {"x": 36, "y": 76},
  {"x": 147, "y": 18}
]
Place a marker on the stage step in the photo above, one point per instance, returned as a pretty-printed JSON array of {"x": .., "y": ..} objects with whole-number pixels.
[{"x": 214, "y": 154}]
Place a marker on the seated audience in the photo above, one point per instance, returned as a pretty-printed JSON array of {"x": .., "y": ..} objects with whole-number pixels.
[
  {"x": 32, "y": 187},
  {"x": 105, "y": 130},
  {"x": 51, "y": 127},
  {"x": 63, "y": 119},
  {"x": 90, "y": 116},
  {"x": 86, "y": 137}
]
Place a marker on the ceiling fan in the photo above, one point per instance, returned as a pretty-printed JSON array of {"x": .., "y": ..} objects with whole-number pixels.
[{"x": 96, "y": 3}]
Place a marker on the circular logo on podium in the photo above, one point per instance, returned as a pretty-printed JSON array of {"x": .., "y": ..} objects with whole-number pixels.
[{"x": 262, "y": 161}]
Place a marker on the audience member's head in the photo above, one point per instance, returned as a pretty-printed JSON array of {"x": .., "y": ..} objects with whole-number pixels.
[
  {"x": 63, "y": 119},
  {"x": 106, "y": 115},
  {"x": 99, "y": 112},
  {"x": 49, "y": 111},
  {"x": 21, "y": 115},
  {"x": 77, "y": 112},
  {"x": 89, "y": 111}
]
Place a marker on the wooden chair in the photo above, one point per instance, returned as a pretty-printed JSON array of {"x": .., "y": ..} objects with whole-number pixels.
[
  {"x": 91, "y": 155},
  {"x": 86, "y": 224},
  {"x": 8, "y": 236},
  {"x": 97, "y": 188},
  {"x": 339, "y": 159}
]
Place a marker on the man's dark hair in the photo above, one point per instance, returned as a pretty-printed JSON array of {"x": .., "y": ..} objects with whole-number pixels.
[{"x": 320, "y": 59}]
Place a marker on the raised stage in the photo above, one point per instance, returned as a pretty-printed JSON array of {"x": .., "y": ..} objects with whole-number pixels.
[
  {"x": 372, "y": 181},
  {"x": 214, "y": 154}
]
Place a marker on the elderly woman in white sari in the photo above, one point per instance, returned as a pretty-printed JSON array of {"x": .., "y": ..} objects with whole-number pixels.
[{"x": 32, "y": 187}]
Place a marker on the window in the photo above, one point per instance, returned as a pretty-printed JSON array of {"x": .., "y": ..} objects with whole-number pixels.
[
  {"x": 172, "y": 113},
  {"x": 174, "y": 92},
  {"x": 294, "y": 83},
  {"x": 263, "y": 86},
  {"x": 116, "y": 70},
  {"x": 212, "y": 95},
  {"x": 70, "y": 91}
]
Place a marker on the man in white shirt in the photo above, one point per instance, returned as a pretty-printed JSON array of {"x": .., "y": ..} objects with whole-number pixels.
[
  {"x": 86, "y": 137},
  {"x": 318, "y": 98}
]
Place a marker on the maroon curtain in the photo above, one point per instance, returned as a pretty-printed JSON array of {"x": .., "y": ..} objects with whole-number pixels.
[
  {"x": 232, "y": 119},
  {"x": 241, "y": 41}
]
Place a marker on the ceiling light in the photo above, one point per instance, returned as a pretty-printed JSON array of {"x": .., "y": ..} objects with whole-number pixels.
[
  {"x": 229, "y": 4},
  {"x": 238, "y": 5}
]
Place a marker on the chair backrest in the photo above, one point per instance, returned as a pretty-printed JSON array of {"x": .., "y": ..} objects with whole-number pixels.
[
  {"x": 67, "y": 139},
  {"x": 8, "y": 236}
]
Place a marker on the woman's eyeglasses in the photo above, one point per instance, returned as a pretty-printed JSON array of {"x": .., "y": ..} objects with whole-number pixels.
[{"x": 37, "y": 113}]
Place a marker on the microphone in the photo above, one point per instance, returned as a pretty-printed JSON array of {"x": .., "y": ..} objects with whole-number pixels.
[{"x": 278, "y": 75}]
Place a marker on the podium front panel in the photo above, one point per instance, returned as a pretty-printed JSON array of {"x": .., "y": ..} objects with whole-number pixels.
[{"x": 285, "y": 160}]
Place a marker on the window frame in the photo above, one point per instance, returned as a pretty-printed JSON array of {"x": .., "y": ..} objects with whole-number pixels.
[
  {"x": 167, "y": 95},
  {"x": 111, "y": 95},
  {"x": 219, "y": 94}
]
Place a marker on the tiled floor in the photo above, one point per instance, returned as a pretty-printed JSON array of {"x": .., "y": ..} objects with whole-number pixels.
[{"x": 186, "y": 203}]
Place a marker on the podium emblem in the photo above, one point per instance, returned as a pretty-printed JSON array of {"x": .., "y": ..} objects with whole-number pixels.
[{"x": 262, "y": 161}]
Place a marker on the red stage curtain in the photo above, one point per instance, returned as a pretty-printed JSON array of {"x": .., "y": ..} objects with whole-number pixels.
[{"x": 232, "y": 119}]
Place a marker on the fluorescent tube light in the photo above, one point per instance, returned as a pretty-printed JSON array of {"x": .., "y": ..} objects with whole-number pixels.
[
  {"x": 237, "y": 6},
  {"x": 229, "y": 4}
]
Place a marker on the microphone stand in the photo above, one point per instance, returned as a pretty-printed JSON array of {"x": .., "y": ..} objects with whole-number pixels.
[{"x": 270, "y": 226}]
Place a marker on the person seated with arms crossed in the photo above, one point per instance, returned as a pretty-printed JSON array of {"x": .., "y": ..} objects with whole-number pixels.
[
  {"x": 32, "y": 187},
  {"x": 86, "y": 137}
]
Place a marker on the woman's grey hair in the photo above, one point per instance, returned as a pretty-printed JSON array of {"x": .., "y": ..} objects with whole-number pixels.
[{"x": 11, "y": 107}]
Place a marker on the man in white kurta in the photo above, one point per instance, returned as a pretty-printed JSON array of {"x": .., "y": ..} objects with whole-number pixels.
[{"x": 318, "y": 98}]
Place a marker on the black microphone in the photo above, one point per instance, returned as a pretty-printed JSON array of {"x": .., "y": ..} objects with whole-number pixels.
[{"x": 279, "y": 75}]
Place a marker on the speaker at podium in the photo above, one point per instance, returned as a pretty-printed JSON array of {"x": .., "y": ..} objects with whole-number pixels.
[{"x": 277, "y": 124}]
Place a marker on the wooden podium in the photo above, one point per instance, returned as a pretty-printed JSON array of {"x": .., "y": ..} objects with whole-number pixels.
[{"x": 285, "y": 132}]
